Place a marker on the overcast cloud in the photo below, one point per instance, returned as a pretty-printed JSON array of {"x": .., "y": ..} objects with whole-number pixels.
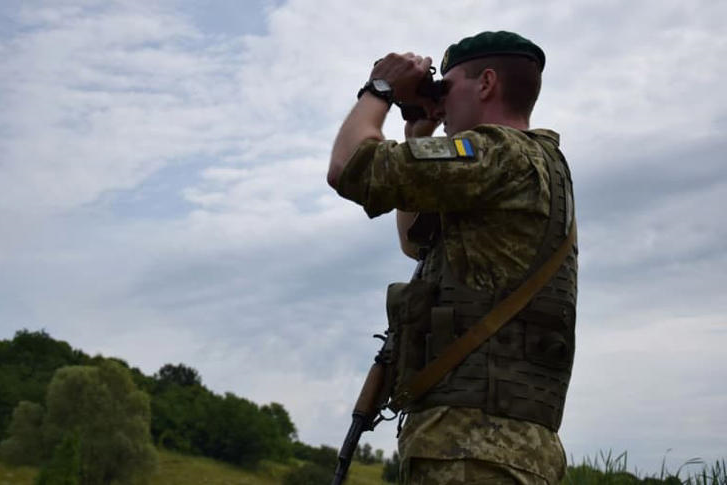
[{"x": 162, "y": 171}]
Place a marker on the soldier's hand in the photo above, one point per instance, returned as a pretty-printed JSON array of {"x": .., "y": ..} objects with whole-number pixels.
[{"x": 403, "y": 72}]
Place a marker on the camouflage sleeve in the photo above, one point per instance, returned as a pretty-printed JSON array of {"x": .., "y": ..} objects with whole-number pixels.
[{"x": 438, "y": 174}]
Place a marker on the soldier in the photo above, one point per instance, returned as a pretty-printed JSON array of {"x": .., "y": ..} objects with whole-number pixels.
[{"x": 483, "y": 208}]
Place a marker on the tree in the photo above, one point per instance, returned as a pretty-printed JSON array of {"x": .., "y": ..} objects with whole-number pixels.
[
  {"x": 110, "y": 416},
  {"x": 27, "y": 364},
  {"x": 391, "y": 469},
  {"x": 282, "y": 420},
  {"x": 186, "y": 416},
  {"x": 95, "y": 415},
  {"x": 237, "y": 432},
  {"x": 178, "y": 374},
  {"x": 364, "y": 454},
  {"x": 64, "y": 467},
  {"x": 194, "y": 420},
  {"x": 24, "y": 446}
]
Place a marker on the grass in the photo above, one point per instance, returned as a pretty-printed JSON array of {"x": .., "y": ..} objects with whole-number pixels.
[
  {"x": 178, "y": 469},
  {"x": 361, "y": 474},
  {"x": 17, "y": 475},
  {"x": 607, "y": 469}
]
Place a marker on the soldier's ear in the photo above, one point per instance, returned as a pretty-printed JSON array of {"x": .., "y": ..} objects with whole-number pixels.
[{"x": 486, "y": 83}]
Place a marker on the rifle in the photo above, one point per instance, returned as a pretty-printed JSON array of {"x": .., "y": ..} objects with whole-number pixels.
[
  {"x": 369, "y": 405},
  {"x": 376, "y": 393}
]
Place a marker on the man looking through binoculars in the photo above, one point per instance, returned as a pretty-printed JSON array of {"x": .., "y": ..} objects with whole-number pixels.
[{"x": 482, "y": 209}]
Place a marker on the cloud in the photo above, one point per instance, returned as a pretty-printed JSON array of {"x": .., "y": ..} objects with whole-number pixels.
[
  {"x": 657, "y": 377},
  {"x": 99, "y": 100}
]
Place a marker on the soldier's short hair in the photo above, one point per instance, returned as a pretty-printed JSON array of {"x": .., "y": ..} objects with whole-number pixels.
[{"x": 520, "y": 78}]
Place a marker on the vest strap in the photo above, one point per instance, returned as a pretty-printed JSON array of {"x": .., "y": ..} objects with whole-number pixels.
[{"x": 504, "y": 311}]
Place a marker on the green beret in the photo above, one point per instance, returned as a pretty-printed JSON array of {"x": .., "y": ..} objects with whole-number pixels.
[{"x": 491, "y": 44}]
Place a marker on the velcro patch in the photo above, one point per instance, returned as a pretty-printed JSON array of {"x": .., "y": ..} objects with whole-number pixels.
[
  {"x": 464, "y": 147},
  {"x": 440, "y": 148}
]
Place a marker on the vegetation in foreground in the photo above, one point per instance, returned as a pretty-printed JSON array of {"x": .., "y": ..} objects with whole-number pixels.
[
  {"x": 607, "y": 469},
  {"x": 179, "y": 469}
]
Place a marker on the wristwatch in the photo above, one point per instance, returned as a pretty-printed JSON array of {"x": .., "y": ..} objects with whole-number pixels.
[{"x": 379, "y": 88}]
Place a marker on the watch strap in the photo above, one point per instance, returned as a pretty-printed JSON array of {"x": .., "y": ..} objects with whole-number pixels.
[{"x": 387, "y": 96}]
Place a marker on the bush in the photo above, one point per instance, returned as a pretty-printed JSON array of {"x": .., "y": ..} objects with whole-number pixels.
[
  {"x": 323, "y": 456},
  {"x": 391, "y": 469},
  {"x": 308, "y": 474}
]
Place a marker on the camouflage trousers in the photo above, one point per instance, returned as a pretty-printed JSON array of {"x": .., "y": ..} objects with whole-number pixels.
[{"x": 423, "y": 471}]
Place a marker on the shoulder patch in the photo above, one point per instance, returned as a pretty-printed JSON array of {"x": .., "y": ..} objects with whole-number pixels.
[
  {"x": 464, "y": 147},
  {"x": 432, "y": 148},
  {"x": 440, "y": 148}
]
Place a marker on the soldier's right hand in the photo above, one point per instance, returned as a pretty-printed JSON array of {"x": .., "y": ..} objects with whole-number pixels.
[{"x": 403, "y": 72}]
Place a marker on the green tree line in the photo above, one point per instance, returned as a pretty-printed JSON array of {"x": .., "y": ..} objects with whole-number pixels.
[
  {"x": 86, "y": 420},
  {"x": 184, "y": 414}
]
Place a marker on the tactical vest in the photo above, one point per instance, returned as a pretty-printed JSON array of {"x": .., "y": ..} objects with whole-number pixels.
[{"x": 523, "y": 371}]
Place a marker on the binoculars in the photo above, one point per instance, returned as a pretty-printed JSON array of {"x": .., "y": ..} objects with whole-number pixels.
[{"x": 428, "y": 88}]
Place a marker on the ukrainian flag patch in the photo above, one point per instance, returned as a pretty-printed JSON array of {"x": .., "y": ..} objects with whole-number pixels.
[{"x": 464, "y": 147}]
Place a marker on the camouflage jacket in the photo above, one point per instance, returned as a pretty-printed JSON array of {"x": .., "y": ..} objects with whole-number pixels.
[{"x": 490, "y": 187}]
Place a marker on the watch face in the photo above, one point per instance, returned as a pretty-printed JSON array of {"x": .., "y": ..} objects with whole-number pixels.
[{"x": 381, "y": 85}]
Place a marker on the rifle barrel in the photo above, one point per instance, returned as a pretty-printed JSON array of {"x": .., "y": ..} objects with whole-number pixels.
[{"x": 359, "y": 424}]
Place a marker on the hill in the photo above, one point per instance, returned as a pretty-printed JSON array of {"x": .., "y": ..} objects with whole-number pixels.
[{"x": 182, "y": 416}]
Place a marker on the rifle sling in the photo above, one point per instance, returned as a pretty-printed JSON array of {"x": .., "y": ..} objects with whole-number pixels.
[{"x": 504, "y": 311}]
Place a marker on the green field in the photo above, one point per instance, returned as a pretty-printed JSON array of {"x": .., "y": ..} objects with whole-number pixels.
[
  {"x": 16, "y": 475},
  {"x": 191, "y": 470},
  {"x": 178, "y": 469}
]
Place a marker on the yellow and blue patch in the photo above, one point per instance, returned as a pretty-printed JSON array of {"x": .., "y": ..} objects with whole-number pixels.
[{"x": 464, "y": 147}]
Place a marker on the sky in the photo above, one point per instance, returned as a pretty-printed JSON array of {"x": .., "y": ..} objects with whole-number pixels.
[{"x": 164, "y": 198}]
